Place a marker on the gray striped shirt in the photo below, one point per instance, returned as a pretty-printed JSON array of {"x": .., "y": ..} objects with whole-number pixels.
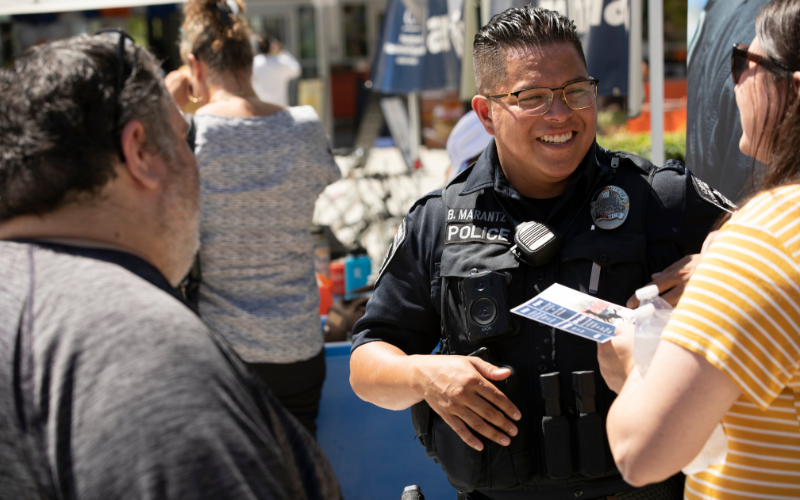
[{"x": 260, "y": 178}]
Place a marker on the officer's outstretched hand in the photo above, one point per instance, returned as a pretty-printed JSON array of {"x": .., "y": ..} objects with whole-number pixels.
[
  {"x": 671, "y": 281},
  {"x": 459, "y": 389}
]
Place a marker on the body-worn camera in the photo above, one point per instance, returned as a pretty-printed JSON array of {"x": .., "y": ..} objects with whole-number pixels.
[{"x": 485, "y": 299}]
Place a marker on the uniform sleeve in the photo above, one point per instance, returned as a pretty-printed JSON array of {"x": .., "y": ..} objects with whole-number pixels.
[
  {"x": 681, "y": 211},
  {"x": 741, "y": 311},
  {"x": 402, "y": 310}
]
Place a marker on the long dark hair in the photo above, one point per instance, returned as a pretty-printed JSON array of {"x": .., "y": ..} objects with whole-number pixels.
[{"x": 778, "y": 30}]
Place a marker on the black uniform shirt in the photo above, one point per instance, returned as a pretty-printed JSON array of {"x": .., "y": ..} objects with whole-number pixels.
[{"x": 680, "y": 210}]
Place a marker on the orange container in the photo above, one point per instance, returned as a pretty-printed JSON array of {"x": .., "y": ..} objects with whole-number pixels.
[
  {"x": 325, "y": 296},
  {"x": 337, "y": 278}
]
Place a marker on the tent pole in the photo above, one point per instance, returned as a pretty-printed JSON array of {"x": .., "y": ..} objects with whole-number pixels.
[
  {"x": 486, "y": 13},
  {"x": 635, "y": 84},
  {"x": 414, "y": 125},
  {"x": 323, "y": 62},
  {"x": 655, "y": 24}
]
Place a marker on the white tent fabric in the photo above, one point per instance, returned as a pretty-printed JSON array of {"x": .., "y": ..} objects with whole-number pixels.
[{"x": 8, "y": 7}]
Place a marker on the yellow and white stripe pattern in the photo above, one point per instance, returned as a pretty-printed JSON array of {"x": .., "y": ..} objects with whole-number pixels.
[{"x": 741, "y": 311}]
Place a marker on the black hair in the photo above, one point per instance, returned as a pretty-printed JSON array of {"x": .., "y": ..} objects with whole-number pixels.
[
  {"x": 58, "y": 136},
  {"x": 518, "y": 28}
]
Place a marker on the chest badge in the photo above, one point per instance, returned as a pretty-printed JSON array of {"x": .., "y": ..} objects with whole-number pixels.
[{"x": 610, "y": 207}]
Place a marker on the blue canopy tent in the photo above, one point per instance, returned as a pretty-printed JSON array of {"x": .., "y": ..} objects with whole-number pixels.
[
  {"x": 421, "y": 47},
  {"x": 416, "y": 55}
]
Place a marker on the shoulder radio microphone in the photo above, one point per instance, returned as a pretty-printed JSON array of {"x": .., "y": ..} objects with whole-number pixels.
[{"x": 536, "y": 243}]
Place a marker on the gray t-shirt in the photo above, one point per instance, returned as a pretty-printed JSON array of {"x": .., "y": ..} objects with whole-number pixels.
[
  {"x": 110, "y": 387},
  {"x": 259, "y": 180}
]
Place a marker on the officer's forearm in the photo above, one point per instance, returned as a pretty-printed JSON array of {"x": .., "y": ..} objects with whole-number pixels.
[{"x": 385, "y": 376}]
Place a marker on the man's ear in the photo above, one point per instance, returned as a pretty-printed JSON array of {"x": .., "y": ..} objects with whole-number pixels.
[
  {"x": 482, "y": 107},
  {"x": 137, "y": 155}
]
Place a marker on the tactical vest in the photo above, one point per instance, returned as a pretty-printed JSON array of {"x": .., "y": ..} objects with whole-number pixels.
[{"x": 561, "y": 447}]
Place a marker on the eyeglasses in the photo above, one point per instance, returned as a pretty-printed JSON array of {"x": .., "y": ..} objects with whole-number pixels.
[
  {"x": 537, "y": 101},
  {"x": 119, "y": 82},
  {"x": 740, "y": 56}
]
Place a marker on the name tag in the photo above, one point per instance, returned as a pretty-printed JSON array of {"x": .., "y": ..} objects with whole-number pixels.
[
  {"x": 467, "y": 215},
  {"x": 465, "y": 232}
]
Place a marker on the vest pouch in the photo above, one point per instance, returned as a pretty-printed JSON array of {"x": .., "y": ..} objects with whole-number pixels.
[
  {"x": 422, "y": 418},
  {"x": 590, "y": 436},
  {"x": 501, "y": 467},
  {"x": 524, "y": 466},
  {"x": 462, "y": 463},
  {"x": 557, "y": 446}
]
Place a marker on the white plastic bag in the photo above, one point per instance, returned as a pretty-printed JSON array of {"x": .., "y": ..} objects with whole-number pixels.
[
  {"x": 651, "y": 317},
  {"x": 713, "y": 453}
]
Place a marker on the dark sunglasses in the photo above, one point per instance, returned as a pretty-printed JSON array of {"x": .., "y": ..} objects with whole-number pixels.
[
  {"x": 118, "y": 82},
  {"x": 741, "y": 56}
]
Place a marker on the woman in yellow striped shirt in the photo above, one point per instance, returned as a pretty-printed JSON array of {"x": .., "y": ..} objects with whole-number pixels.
[{"x": 732, "y": 350}]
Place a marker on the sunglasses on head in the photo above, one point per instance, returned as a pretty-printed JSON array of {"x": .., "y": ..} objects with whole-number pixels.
[
  {"x": 119, "y": 80},
  {"x": 741, "y": 56}
]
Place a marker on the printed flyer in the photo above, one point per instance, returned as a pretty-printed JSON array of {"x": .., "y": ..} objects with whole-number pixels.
[{"x": 575, "y": 313}]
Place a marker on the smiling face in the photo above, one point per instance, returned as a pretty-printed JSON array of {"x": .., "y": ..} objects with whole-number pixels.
[{"x": 539, "y": 153}]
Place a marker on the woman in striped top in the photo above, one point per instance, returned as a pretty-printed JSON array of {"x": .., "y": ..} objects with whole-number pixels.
[{"x": 732, "y": 350}]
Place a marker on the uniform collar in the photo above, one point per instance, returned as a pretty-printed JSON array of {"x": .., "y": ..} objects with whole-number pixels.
[{"x": 487, "y": 173}]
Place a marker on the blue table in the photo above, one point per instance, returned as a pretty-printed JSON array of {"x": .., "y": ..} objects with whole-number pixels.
[{"x": 373, "y": 451}]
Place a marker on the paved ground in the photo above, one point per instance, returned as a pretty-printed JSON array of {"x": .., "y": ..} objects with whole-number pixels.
[{"x": 370, "y": 201}]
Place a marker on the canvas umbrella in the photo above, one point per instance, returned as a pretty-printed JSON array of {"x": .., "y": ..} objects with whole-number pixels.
[{"x": 421, "y": 47}]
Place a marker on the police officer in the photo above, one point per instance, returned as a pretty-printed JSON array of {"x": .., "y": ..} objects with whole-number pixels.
[{"x": 515, "y": 409}]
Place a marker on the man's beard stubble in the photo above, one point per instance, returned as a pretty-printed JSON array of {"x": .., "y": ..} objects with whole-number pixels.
[{"x": 181, "y": 222}]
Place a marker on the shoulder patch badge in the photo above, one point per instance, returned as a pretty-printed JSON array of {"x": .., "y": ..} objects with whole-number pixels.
[
  {"x": 399, "y": 238},
  {"x": 713, "y": 196},
  {"x": 610, "y": 207}
]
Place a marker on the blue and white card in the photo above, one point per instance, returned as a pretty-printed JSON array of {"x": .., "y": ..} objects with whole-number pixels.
[{"x": 575, "y": 313}]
